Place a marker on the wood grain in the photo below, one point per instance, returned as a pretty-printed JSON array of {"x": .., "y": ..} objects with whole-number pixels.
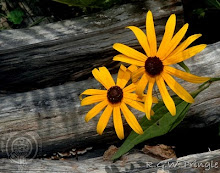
[
  {"x": 55, "y": 114},
  {"x": 134, "y": 162},
  {"x": 68, "y": 50}
]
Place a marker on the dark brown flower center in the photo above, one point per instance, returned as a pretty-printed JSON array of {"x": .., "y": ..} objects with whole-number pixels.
[
  {"x": 115, "y": 94},
  {"x": 153, "y": 66}
]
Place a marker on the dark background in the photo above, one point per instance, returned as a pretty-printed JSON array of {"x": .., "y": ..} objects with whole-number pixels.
[{"x": 202, "y": 15}]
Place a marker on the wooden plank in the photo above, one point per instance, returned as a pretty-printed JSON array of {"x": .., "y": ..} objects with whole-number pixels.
[
  {"x": 134, "y": 162},
  {"x": 59, "y": 52},
  {"x": 55, "y": 115}
]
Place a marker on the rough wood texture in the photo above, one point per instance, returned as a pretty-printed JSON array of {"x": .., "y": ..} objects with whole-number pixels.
[
  {"x": 135, "y": 162},
  {"x": 59, "y": 52},
  {"x": 56, "y": 116}
]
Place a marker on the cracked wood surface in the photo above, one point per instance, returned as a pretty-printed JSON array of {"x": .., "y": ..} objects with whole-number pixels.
[
  {"x": 55, "y": 114},
  {"x": 68, "y": 50},
  {"x": 133, "y": 162},
  {"x": 57, "y": 53}
]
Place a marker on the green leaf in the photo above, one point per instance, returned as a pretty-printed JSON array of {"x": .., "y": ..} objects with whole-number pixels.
[
  {"x": 213, "y": 3},
  {"x": 15, "y": 16},
  {"x": 161, "y": 123},
  {"x": 200, "y": 12}
]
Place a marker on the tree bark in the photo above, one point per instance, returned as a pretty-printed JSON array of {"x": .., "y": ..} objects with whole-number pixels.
[
  {"x": 65, "y": 51},
  {"x": 56, "y": 118},
  {"x": 135, "y": 162}
]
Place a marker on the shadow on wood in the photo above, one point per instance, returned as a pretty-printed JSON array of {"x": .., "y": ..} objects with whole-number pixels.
[
  {"x": 59, "y": 52},
  {"x": 55, "y": 113}
]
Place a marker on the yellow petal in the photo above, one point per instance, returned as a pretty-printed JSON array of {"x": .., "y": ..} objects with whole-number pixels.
[
  {"x": 142, "y": 38},
  {"x": 131, "y": 96},
  {"x": 93, "y": 92},
  {"x": 130, "y": 52},
  {"x": 131, "y": 120},
  {"x": 142, "y": 99},
  {"x": 151, "y": 35},
  {"x": 137, "y": 105},
  {"x": 132, "y": 68},
  {"x": 168, "y": 101},
  {"x": 142, "y": 85},
  {"x": 175, "y": 40},
  {"x": 103, "y": 120},
  {"x": 95, "y": 110},
  {"x": 138, "y": 73},
  {"x": 185, "y": 76},
  {"x": 169, "y": 30},
  {"x": 128, "y": 60},
  {"x": 130, "y": 88},
  {"x": 92, "y": 99},
  {"x": 186, "y": 54},
  {"x": 177, "y": 88},
  {"x": 123, "y": 76},
  {"x": 155, "y": 100},
  {"x": 149, "y": 99},
  {"x": 100, "y": 78},
  {"x": 185, "y": 44},
  {"x": 105, "y": 74},
  {"x": 118, "y": 124},
  {"x": 151, "y": 112}
]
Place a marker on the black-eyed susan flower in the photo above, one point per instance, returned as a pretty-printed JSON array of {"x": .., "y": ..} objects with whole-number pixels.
[
  {"x": 114, "y": 98},
  {"x": 155, "y": 64}
]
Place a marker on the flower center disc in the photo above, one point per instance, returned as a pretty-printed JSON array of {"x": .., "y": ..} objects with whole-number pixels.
[
  {"x": 153, "y": 66},
  {"x": 115, "y": 94}
]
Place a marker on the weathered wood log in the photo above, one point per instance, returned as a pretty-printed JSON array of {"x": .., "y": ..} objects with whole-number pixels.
[
  {"x": 59, "y": 52},
  {"x": 135, "y": 162},
  {"x": 54, "y": 114}
]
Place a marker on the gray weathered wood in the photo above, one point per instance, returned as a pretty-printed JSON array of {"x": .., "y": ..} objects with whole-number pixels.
[
  {"x": 135, "y": 162},
  {"x": 55, "y": 115},
  {"x": 59, "y": 52}
]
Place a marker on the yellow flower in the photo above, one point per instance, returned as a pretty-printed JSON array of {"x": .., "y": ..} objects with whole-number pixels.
[
  {"x": 114, "y": 98},
  {"x": 154, "y": 66}
]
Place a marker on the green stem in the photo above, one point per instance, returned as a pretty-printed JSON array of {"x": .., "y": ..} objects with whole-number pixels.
[
  {"x": 204, "y": 86},
  {"x": 183, "y": 65}
]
